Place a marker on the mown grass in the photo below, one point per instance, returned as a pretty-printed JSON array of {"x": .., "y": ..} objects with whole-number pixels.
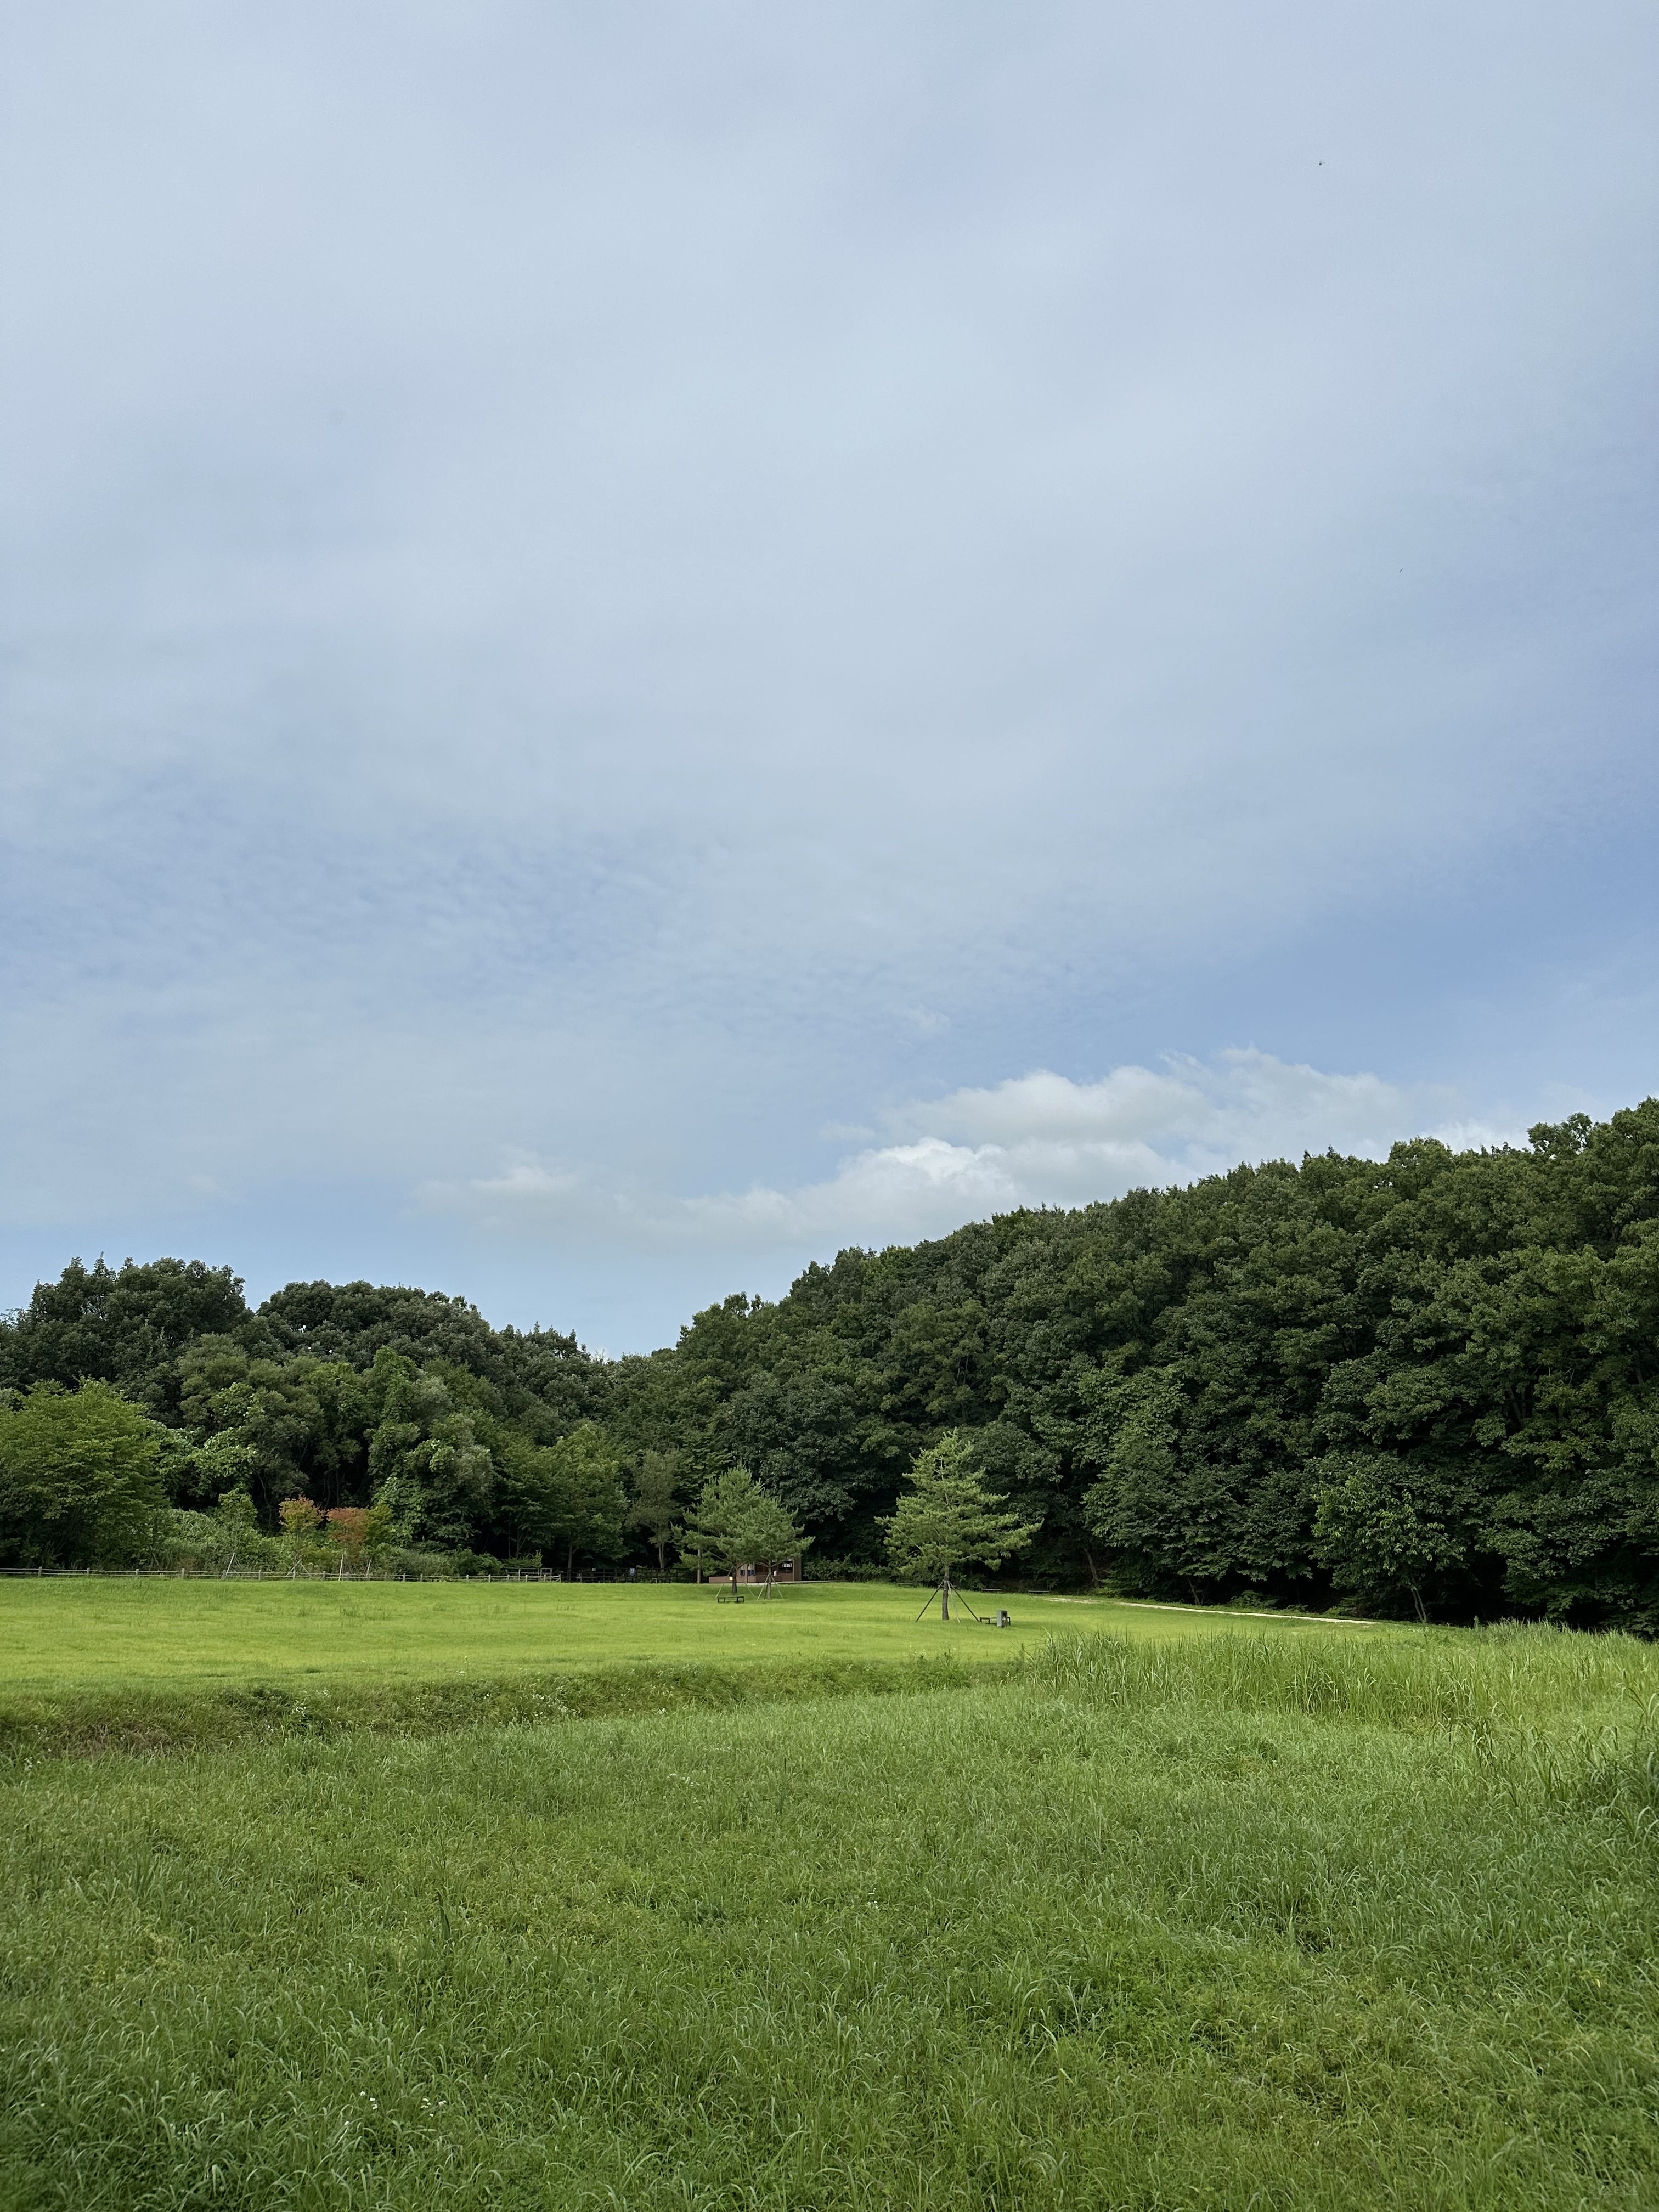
[
  {"x": 1262, "y": 1920},
  {"x": 151, "y": 1631},
  {"x": 154, "y": 1664}
]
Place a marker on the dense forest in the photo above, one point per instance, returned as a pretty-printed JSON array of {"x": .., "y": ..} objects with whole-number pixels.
[{"x": 1427, "y": 1385}]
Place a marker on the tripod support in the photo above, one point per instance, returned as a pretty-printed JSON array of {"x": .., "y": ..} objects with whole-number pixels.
[{"x": 943, "y": 1594}]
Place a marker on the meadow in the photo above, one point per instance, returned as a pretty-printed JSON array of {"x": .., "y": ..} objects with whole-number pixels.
[
  {"x": 1228, "y": 1914},
  {"x": 68, "y": 1632},
  {"x": 148, "y": 1662}
]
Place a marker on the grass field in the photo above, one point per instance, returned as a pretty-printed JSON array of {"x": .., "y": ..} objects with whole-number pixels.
[
  {"x": 1275, "y": 1917},
  {"x": 105, "y": 1632}
]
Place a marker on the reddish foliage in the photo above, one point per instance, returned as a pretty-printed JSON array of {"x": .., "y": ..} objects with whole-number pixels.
[{"x": 347, "y": 1527}]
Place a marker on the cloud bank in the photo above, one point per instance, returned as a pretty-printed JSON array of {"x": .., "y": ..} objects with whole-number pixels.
[
  {"x": 1036, "y": 1139},
  {"x": 603, "y": 587}
]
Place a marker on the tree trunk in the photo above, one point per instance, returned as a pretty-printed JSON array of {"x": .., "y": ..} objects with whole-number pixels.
[{"x": 944, "y": 1596}]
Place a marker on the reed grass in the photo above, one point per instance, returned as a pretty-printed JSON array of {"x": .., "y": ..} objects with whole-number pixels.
[{"x": 1262, "y": 1921}]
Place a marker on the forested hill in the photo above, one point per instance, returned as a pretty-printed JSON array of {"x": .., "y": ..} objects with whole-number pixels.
[{"x": 1431, "y": 1382}]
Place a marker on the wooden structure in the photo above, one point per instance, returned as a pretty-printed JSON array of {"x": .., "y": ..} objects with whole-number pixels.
[{"x": 756, "y": 1576}]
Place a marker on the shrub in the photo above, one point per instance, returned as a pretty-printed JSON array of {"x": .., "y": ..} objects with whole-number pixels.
[
  {"x": 79, "y": 1479},
  {"x": 415, "y": 1565}
]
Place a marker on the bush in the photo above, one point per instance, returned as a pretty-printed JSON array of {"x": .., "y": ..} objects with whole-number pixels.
[
  {"x": 184, "y": 1540},
  {"x": 79, "y": 1479},
  {"x": 418, "y": 1566},
  {"x": 206, "y": 1542}
]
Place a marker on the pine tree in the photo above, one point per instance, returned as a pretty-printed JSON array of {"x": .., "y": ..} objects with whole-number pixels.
[{"x": 949, "y": 1518}]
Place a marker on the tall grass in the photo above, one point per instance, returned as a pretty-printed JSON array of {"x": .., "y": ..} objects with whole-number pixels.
[
  {"x": 1544, "y": 1713},
  {"x": 1427, "y": 1678},
  {"x": 1258, "y": 1922}
]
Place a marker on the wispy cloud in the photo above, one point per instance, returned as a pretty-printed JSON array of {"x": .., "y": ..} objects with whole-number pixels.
[
  {"x": 578, "y": 583},
  {"x": 1038, "y": 1140}
]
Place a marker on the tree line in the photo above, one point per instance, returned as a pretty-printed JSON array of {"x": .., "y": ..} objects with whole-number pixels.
[{"x": 1425, "y": 1385}]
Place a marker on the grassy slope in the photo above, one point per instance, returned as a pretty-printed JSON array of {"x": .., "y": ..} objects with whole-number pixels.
[
  {"x": 157, "y": 1665},
  {"x": 1263, "y": 1919}
]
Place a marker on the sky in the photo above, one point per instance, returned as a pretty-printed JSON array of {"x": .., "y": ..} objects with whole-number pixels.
[{"x": 639, "y": 641}]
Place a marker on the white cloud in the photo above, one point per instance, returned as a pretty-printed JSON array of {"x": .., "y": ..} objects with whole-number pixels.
[
  {"x": 1038, "y": 1140},
  {"x": 583, "y": 585}
]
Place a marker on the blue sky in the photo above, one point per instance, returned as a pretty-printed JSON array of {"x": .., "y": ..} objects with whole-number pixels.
[{"x": 640, "y": 642}]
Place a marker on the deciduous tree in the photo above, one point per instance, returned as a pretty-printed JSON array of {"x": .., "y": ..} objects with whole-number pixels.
[
  {"x": 569, "y": 1496},
  {"x": 654, "y": 1507},
  {"x": 79, "y": 1480},
  {"x": 300, "y": 1522}
]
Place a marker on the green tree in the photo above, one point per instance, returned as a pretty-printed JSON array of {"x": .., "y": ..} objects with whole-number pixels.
[
  {"x": 949, "y": 1518},
  {"x": 300, "y": 1423},
  {"x": 773, "y": 1536},
  {"x": 1381, "y": 1531},
  {"x": 738, "y": 1524},
  {"x": 124, "y": 1326},
  {"x": 220, "y": 1463},
  {"x": 568, "y": 1496},
  {"x": 654, "y": 1505},
  {"x": 426, "y": 1461},
  {"x": 236, "y": 1526},
  {"x": 379, "y": 1532},
  {"x": 300, "y": 1522},
  {"x": 79, "y": 1480}
]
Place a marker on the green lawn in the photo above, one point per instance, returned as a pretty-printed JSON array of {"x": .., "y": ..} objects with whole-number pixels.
[
  {"x": 1279, "y": 1918},
  {"x": 103, "y": 1633}
]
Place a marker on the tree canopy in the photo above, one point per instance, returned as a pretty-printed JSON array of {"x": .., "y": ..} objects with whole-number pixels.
[
  {"x": 1424, "y": 1383},
  {"x": 80, "y": 1483}
]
